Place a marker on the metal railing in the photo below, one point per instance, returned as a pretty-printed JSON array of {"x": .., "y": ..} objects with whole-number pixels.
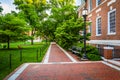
[{"x": 116, "y": 52}]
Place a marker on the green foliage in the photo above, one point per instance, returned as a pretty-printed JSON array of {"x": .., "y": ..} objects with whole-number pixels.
[
  {"x": 34, "y": 12},
  {"x": 1, "y": 9},
  {"x": 4, "y": 46},
  {"x": 47, "y": 29},
  {"x": 62, "y": 25},
  {"x": 12, "y": 28},
  {"x": 68, "y": 32},
  {"x": 92, "y": 52},
  {"x": 93, "y": 57},
  {"x": 61, "y": 3}
]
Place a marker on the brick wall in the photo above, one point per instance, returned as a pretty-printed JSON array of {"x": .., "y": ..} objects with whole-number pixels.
[{"x": 102, "y": 10}]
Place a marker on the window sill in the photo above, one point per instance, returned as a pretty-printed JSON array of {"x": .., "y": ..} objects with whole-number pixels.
[
  {"x": 111, "y": 34},
  {"x": 98, "y": 34}
]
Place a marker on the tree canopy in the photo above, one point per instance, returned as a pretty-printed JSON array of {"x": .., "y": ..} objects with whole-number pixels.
[
  {"x": 1, "y": 9},
  {"x": 33, "y": 12},
  {"x": 54, "y": 20},
  {"x": 63, "y": 24},
  {"x": 12, "y": 28}
]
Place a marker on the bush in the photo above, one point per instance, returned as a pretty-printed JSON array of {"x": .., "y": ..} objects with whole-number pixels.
[
  {"x": 92, "y": 52},
  {"x": 4, "y": 46},
  {"x": 93, "y": 57},
  {"x": 0, "y": 45}
]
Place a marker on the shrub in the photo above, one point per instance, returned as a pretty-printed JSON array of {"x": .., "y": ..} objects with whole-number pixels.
[
  {"x": 0, "y": 45},
  {"x": 92, "y": 52},
  {"x": 4, "y": 46},
  {"x": 93, "y": 57}
]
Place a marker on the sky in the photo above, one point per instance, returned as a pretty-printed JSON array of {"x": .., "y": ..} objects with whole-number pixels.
[
  {"x": 7, "y": 6},
  {"x": 78, "y": 2}
]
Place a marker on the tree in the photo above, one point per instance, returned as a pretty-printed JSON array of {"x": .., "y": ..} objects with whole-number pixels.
[
  {"x": 1, "y": 9},
  {"x": 29, "y": 13},
  {"x": 68, "y": 32},
  {"x": 58, "y": 11},
  {"x": 34, "y": 11},
  {"x": 12, "y": 28},
  {"x": 61, "y": 10},
  {"x": 67, "y": 25}
]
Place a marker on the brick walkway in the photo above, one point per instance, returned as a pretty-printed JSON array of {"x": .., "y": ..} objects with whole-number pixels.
[
  {"x": 57, "y": 55},
  {"x": 60, "y": 66}
]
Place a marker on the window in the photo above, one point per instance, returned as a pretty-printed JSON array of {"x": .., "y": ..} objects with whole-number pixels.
[
  {"x": 98, "y": 2},
  {"x": 112, "y": 22},
  {"x": 90, "y": 28},
  {"x": 90, "y": 5},
  {"x": 98, "y": 26}
]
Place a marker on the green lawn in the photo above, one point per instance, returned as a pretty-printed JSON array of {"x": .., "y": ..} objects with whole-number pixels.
[{"x": 29, "y": 54}]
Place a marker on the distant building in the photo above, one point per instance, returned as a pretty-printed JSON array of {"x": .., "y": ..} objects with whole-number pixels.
[{"x": 105, "y": 26}]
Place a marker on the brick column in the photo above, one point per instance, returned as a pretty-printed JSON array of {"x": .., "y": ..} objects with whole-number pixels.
[{"x": 108, "y": 52}]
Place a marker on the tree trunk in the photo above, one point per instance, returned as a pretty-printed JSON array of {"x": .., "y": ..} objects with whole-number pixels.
[
  {"x": 46, "y": 40},
  {"x": 8, "y": 42},
  {"x": 54, "y": 37},
  {"x": 32, "y": 34}
]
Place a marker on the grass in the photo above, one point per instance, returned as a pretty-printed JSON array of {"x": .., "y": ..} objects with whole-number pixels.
[{"x": 29, "y": 54}]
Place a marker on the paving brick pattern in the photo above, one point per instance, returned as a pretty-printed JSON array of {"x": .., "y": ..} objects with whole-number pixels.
[
  {"x": 60, "y": 67},
  {"x": 57, "y": 55},
  {"x": 77, "y": 58},
  {"x": 76, "y": 71}
]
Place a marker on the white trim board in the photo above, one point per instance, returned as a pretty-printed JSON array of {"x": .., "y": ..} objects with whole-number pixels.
[
  {"x": 18, "y": 72},
  {"x": 112, "y": 66},
  {"x": 47, "y": 55},
  {"x": 105, "y": 42}
]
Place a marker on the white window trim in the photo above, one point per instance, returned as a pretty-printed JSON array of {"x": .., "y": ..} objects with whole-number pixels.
[
  {"x": 97, "y": 26},
  {"x": 97, "y": 3},
  {"x": 89, "y": 30},
  {"x": 90, "y": 27},
  {"x": 89, "y": 6},
  {"x": 109, "y": 22}
]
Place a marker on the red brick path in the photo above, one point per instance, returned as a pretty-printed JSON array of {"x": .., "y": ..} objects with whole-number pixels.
[
  {"x": 76, "y": 71},
  {"x": 57, "y": 55},
  {"x": 69, "y": 70}
]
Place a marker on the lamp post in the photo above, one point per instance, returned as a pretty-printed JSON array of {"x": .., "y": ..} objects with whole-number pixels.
[{"x": 84, "y": 14}]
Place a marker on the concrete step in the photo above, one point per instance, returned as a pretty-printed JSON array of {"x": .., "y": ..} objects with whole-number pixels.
[
  {"x": 116, "y": 63},
  {"x": 112, "y": 63}
]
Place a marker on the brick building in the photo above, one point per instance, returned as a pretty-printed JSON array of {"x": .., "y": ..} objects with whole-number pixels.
[{"x": 105, "y": 26}]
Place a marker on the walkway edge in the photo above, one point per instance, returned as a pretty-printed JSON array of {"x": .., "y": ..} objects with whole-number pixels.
[
  {"x": 70, "y": 57},
  {"x": 46, "y": 58},
  {"x": 18, "y": 72},
  {"x": 110, "y": 65}
]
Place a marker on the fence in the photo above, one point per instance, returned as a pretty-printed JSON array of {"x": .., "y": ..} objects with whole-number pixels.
[
  {"x": 101, "y": 51},
  {"x": 20, "y": 56},
  {"x": 116, "y": 52}
]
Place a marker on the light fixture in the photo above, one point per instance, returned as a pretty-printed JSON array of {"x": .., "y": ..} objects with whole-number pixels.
[{"x": 84, "y": 12}]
